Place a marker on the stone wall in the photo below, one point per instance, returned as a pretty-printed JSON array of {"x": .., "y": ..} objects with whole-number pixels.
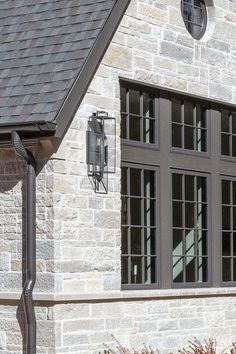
[
  {"x": 151, "y": 46},
  {"x": 78, "y": 231},
  {"x": 166, "y": 325},
  {"x": 12, "y": 260},
  {"x": 13, "y": 222}
]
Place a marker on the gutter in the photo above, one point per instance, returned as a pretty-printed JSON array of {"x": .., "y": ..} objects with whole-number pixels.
[
  {"x": 26, "y": 130},
  {"x": 30, "y": 245}
]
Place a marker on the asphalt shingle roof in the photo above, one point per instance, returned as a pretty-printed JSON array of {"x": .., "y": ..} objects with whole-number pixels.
[{"x": 43, "y": 46}]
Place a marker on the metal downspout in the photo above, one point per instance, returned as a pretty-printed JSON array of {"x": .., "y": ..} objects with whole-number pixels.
[{"x": 30, "y": 246}]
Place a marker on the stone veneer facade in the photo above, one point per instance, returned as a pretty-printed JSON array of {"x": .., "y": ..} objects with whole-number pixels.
[{"x": 78, "y": 299}]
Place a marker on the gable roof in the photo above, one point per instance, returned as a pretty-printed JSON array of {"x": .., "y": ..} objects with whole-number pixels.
[{"x": 49, "y": 52}]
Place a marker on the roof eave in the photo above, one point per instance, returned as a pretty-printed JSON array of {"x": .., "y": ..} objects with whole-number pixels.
[
  {"x": 27, "y": 130},
  {"x": 86, "y": 74}
]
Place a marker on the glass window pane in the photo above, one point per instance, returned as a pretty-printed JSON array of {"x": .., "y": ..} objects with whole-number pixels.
[
  {"x": 225, "y": 144},
  {"x": 134, "y": 102},
  {"x": 202, "y": 242},
  {"x": 189, "y": 187},
  {"x": 226, "y": 192},
  {"x": 149, "y": 184},
  {"x": 177, "y": 214},
  {"x": 177, "y": 135},
  {"x": 201, "y": 189},
  {"x": 135, "y": 182},
  {"x": 233, "y": 145},
  {"x": 226, "y": 243},
  {"x": 202, "y": 216},
  {"x": 195, "y": 17},
  {"x": 124, "y": 211},
  {"x": 177, "y": 242},
  {"x": 201, "y": 269},
  {"x": 123, "y": 99},
  {"x": 135, "y": 211},
  {"x": 136, "y": 240},
  {"x": 150, "y": 241},
  {"x": 124, "y": 237},
  {"x": 136, "y": 270},
  {"x": 190, "y": 243},
  {"x": 234, "y": 269},
  {"x": 134, "y": 128},
  {"x": 234, "y": 244},
  {"x": 149, "y": 212},
  {"x": 188, "y": 113},
  {"x": 148, "y": 105},
  {"x": 123, "y": 180},
  {"x": 226, "y": 219},
  {"x": 234, "y": 218},
  {"x": 148, "y": 131},
  {"x": 177, "y": 186},
  {"x": 124, "y": 270},
  {"x": 190, "y": 269},
  {"x": 234, "y": 192},
  {"x": 189, "y": 215},
  {"x": 178, "y": 269},
  {"x": 227, "y": 276},
  {"x": 233, "y": 123},
  {"x": 225, "y": 121},
  {"x": 200, "y": 116},
  {"x": 176, "y": 111},
  {"x": 123, "y": 126},
  {"x": 150, "y": 270},
  {"x": 189, "y": 138},
  {"x": 201, "y": 140}
]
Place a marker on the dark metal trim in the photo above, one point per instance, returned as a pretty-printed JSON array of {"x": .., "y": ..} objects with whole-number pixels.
[
  {"x": 85, "y": 76},
  {"x": 26, "y": 130},
  {"x": 168, "y": 92},
  {"x": 30, "y": 250}
]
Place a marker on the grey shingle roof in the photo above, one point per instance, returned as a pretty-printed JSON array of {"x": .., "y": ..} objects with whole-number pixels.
[{"x": 43, "y": 47}]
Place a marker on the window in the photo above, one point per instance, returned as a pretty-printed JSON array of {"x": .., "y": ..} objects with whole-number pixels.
[
  {"x": 189, "y": 125},
  {"x": 228, "y": 133},
  {"x": 194, "y": 14},
  {"x": 139, "y": 116},
  {"x": 175, "y": 191},
  {"x": 190, "y": 227},
  {"x": 139, "y": 225},
  {"x": 228, "y": 230}
]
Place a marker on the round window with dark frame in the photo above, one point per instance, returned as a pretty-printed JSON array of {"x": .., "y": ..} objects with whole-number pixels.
[{"x": 194, "y": 14}]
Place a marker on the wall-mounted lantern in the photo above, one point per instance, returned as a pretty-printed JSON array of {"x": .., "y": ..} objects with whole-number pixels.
[{"x": 101, "y": 150}]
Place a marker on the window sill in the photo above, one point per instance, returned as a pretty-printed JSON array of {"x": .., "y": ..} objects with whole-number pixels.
[{"x": 126, "y": 295}]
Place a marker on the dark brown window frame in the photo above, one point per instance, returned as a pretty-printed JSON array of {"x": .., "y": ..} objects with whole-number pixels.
[
  {"x": 167, "y": 159},
  {"x": 209, "y": 235},
  {"x": 230, "y": 178},
  {"x": 184, "y": 150},
  {"x": 157, "y": 223},
  {"x": 230, "y": 134},
  {"x": 155, "y": 145}
]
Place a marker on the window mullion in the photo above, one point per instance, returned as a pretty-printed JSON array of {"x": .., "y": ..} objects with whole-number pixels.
[
  {"x": 129, "y": 228},
  {"x": 142, "y": 226},
  {"x": 141, "y": 117},
  {"x": 127, "y": 115}
]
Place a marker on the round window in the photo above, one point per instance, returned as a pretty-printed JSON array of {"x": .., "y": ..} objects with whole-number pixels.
[{"x": 194, "y": 14}]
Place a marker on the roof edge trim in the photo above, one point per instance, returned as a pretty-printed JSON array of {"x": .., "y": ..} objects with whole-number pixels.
[
  {"x": 87, "y": 72},
  {"x": 27, "y": 130}
]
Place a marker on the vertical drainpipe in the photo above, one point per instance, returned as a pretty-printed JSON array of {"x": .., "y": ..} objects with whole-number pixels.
[{"x": 30, "y": 245}]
